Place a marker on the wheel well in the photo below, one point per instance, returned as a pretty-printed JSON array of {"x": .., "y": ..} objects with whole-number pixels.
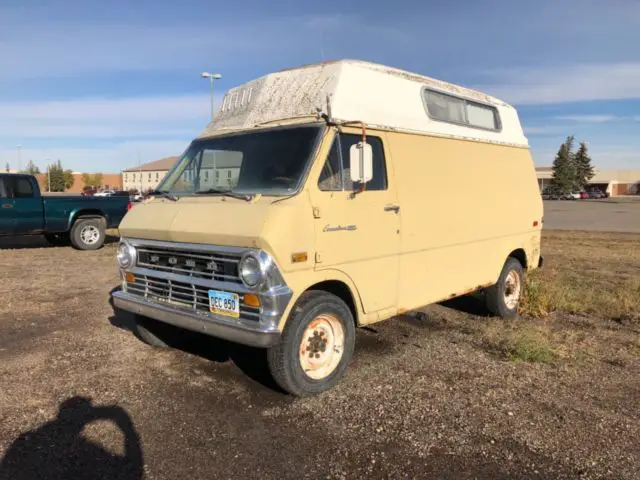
[
  {"x": 340, "y": 290},
  {"x": 520, "y": 255},
  {"x": 86, "y": 214}
]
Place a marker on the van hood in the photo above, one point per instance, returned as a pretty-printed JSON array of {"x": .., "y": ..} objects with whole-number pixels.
[{"x": 210, "y": 220}]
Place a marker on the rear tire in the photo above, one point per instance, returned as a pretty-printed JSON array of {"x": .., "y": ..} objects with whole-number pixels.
[
  {"x": 58, "y": 239},
  {"x": 88, "y": 233},
  {"x": 316, "y": 345},
  {"x": 504, "y": 297}
]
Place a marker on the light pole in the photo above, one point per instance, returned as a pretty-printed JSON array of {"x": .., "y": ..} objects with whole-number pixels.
[
  {"x": 19, "y": 147},
  {"x": 211, "y": 77},
  {"x": 48, "y": 174}
]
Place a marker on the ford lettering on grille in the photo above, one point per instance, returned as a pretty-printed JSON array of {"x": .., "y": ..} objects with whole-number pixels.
[{"x": 208, "y": 265}]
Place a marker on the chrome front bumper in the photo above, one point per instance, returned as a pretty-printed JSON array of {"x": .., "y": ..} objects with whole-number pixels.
[{"x": 213, "y": 325}]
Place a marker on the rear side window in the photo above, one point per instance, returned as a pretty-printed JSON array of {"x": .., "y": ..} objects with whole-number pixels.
[
  {"x": 448, "y": 108},
  {"x": 335, "y": 174},
  {"x": 20, "y": 187}
]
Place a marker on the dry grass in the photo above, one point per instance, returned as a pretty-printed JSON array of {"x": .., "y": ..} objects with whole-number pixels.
[
  {"x": 520, "y": 343},
  {"x": 583, "y": 305},
  {"x": 593, "y": 274}
]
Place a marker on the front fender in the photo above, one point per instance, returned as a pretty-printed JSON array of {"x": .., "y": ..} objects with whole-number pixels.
[{"x": 301, "y": 281}]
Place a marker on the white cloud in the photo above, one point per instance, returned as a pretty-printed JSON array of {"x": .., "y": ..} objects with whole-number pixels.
[
  {"x": 589, "y": 118},
  {"x": 108, "y": 159},
  {"x": 573, "y": 83},
  {"x": 106, "y": 118},
  {"x": 116, "y": 130}
]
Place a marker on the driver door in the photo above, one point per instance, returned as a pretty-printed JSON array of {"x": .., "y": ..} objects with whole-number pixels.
[{"x": 359, "y": 233}]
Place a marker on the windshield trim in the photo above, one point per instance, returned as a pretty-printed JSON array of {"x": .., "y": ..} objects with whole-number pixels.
[{"x": 322, "y": 131}]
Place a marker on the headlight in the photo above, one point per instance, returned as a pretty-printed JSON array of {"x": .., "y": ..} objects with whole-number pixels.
[
  {"x": 250, "y": 270},
  {"x": 126, "y": 255}
]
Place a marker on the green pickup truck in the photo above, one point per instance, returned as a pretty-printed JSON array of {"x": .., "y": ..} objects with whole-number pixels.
[{"x": 63, "y": 219}]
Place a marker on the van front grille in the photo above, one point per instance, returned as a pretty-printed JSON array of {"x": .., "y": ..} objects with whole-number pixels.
[
  {"x": 181, "y": 294},
  {"x": 222, "y": 267}
]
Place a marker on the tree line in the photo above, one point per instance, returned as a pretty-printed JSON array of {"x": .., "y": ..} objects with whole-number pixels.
[
  {"x": 572, "y": 171},
  {"x": 57, "y": 179}
]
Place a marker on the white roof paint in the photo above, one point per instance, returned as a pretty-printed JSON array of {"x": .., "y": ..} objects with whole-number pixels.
[{"x": 377, "y": 95}]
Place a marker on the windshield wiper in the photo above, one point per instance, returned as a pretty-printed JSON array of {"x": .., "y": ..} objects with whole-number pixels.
[
  {"x": 227, "y": 193},
  {"x": 166, "y": 195}
]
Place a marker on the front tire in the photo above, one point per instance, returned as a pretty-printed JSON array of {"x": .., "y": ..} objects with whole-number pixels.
[
  {"x": 88, "y": 233},
  {"x": 152, "y": 332},
  {"x": 504, "y": 297},
  {"x": 316, "y": 345}
]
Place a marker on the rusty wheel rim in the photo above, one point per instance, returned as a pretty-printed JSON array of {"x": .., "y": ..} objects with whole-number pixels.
[
  {"x": 322, "y": 346},
  {"x": 512, "y": 290}
]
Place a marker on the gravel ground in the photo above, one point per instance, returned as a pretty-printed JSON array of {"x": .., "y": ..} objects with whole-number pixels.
[{"x": 424, "y": 397}]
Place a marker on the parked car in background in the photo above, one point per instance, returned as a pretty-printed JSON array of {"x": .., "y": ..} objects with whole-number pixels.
[
  {"x": 104, "y": 193},
  {"x": 550, "y": 193},
  {"x": 81, "y": 221},
  {"x": 596, "y": 194},
  {"x": 584, "y": 196}
]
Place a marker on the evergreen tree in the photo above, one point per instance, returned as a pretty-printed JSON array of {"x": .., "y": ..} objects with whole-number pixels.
[
  {"x": 56, "y": 176},
  {"x": 584, "y": 169},
  {"x": 564, "y": 172},
  {"x": 31, "y": 169}
]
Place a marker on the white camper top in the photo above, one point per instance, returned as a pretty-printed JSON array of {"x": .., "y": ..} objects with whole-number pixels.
[{"x": 380, "y": 96}]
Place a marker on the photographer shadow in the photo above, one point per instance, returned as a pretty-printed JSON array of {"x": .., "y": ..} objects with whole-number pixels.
[{"x": 58, "y": 450}]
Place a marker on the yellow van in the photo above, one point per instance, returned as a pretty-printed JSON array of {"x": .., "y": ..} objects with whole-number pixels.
[{"x": 327, "y": 197}]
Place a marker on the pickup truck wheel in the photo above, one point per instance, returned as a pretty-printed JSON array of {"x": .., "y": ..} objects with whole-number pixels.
[
  {"x": 88, "y": 233},
  {"x": 504, "y": 297},
  {"x": 316, "y": 345},
  {"x": 58, "y": 239}
]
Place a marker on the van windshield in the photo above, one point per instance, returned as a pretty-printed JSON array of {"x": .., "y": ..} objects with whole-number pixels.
[{"x": 270, "y": 162}]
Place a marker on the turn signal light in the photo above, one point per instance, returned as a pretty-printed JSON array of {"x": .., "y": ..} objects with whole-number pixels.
[
  {"x": 299, "y": 257},
  {"x": 251, "y": 300},
  {"x": 130, "y": 277}
]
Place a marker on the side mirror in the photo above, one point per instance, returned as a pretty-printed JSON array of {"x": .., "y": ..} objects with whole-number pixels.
[{"x": 361, "y": 162}]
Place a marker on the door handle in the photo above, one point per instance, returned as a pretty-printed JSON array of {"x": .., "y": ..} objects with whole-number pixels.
[
  {"x": 392, "y": 208},
  {"x": 7, "y": 205}
]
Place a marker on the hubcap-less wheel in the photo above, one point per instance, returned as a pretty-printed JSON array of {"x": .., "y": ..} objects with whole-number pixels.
[
  {"x": 512, "y": 290},
  {"x": 90, "y": 234},
  {"x": 322, "y": 346}
]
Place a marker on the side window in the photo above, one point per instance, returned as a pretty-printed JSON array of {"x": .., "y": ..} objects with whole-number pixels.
[
  {"x": 379, "y": 180},
  {"x": 3, "y": 192},
  {"x": 448, "y": 108},
  {"x": 445, "y": 107},
  {"x": 331, "y": 175},
  {"x": 22, "y": 188}
]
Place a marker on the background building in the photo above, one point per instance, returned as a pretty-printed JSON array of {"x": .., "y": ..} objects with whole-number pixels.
[
  {"x": 219, "y": 170},
  {"x": 614, "y": 182},
  {"x": 109, "y": 181},
  {"x": 148, "y": 175}
]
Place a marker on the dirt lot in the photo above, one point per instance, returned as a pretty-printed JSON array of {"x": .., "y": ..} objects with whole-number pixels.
[
  {"x": 619, "y": 214},
  {"x": 451, "y": 394}
]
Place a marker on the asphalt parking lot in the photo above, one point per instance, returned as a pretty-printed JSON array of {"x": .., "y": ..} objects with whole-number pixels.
[
  {"x": 424, "y": 397},
  {"x": 608, "y": 215}
]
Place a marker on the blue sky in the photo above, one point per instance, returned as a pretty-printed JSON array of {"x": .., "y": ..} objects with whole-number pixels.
[{"x": 101, "y": 84}]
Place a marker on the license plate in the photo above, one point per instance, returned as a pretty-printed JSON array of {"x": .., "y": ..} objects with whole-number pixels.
[{"x": 224, "y": 303}]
